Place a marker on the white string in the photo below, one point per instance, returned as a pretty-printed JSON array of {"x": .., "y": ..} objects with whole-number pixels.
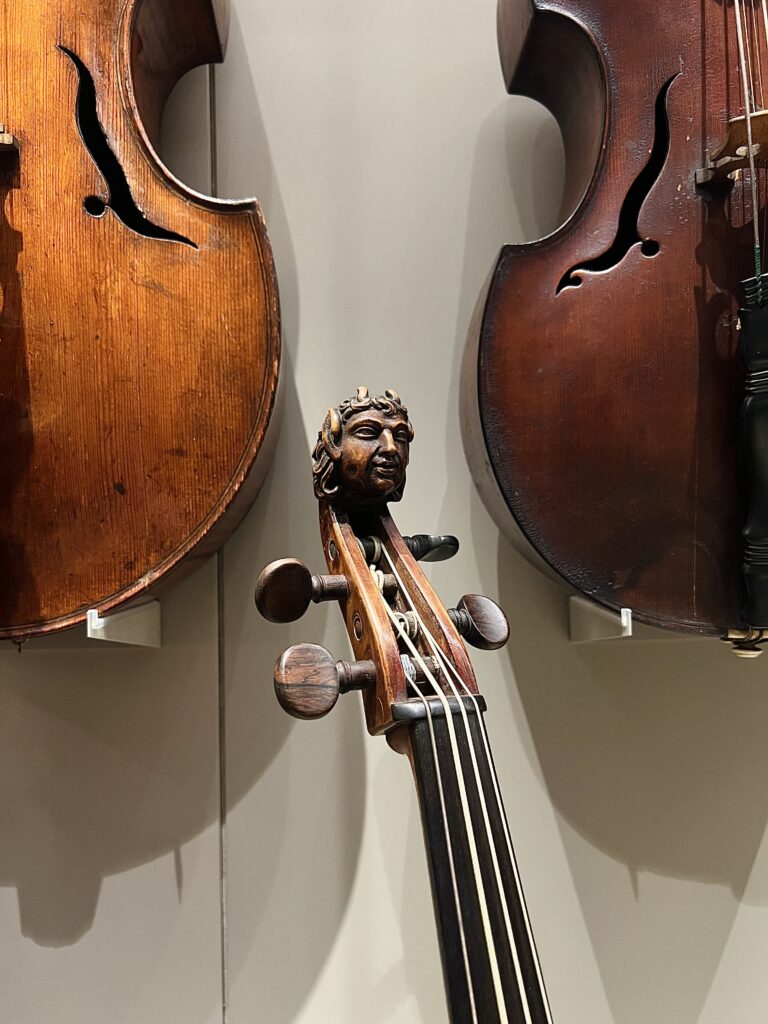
[
  {"x": 483, "y": 806},
  {"x": 450, "y": 669},
  {"x": 397, "y": 621},
  {"x": 748, "y": 50},
  {"x": 764, "y": 6},
  {"x": 758, "y": 54},
  {"x": 465, "y": 810},
  {"x": 750, "y": 150}
]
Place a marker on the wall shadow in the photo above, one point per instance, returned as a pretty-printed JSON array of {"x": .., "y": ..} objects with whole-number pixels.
[
  {"x": 96, "y": 777},
  {"x": 295, "y": 790}
]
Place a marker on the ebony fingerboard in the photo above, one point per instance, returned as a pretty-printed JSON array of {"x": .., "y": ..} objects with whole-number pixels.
[{"x": 473, "y": 951}]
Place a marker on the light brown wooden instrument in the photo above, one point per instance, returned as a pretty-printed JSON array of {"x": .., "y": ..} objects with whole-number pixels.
[{"x": 139, "y": 330}]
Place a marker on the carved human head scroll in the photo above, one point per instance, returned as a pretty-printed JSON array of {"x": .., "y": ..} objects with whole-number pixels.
[{"x": 362, "y": 450}]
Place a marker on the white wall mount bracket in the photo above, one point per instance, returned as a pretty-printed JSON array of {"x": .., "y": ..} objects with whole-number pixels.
[
  {"x": 590, "y": 621},
  {"x": 139, "y": 626}
]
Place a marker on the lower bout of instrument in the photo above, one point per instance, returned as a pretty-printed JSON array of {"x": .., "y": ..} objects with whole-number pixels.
[{"x": 612, "y": 444}]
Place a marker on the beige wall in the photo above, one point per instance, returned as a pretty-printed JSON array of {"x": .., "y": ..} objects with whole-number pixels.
[{"x": 391, "y": 167}]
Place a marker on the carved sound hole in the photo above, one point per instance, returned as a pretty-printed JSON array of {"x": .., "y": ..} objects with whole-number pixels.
[
  {"x": 120, "y": 200},
  {"x": 627, "y": 235}
]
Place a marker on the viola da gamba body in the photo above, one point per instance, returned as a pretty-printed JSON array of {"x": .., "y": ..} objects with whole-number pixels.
[
  {"x": 603, "y": 399},
  {"x": 139, "y": 332}
]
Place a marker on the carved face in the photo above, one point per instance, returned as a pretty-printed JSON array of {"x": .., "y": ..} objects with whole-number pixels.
[{"x": 374, "y": 455}]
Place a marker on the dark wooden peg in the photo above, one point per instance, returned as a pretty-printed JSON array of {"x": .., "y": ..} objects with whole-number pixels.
[
  {"x": 481, "y": 622},
  {"x": 308, "y": 680},
  {"x": 423, "y": 547},
  {"x": 285, "y": 589},
  {"x": 426, "y": 548}
]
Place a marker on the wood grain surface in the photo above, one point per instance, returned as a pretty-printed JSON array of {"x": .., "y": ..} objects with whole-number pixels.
[
  {"x": 610, "y": 409},
  {"x": 370, "y": 632},
  {"x": 137, "y": 373}
]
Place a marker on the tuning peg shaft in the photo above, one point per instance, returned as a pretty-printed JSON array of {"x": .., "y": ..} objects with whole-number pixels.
[
  {"x": 481, "y": 622},
  {"x": 308, "y": 680}
]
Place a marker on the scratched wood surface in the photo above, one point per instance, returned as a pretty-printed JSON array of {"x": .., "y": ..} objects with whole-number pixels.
[
  {"x": 139, "y": 323},
  {"x": 609, "y": 402}
]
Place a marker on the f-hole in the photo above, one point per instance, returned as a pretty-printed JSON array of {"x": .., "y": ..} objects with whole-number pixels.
[
  {"x": 120, "y": 200},
  {"x": 627, "y": 235}
]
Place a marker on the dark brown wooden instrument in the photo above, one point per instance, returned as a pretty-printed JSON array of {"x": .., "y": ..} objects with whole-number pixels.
[
  {"x": 420, "y": 691},
  {"x": 139, "y": 331},
  {"x": 606, "y": 403}
]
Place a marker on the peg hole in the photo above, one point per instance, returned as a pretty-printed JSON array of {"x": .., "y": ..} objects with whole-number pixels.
[
  {"x": 357, "y": 626},
  {"x": 333, "y": 554}
]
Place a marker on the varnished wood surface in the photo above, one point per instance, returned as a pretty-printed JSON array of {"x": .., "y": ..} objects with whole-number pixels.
[
  {"x": 610, "y": 412},
  {"x": 306, "y": 681},
  {"x": 370, "y": 631},
  {"x": 137, "y": 374}
]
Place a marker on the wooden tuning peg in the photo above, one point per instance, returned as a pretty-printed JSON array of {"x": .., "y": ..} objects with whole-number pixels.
[
  {"x": 308, "y": 680},
  {"x": 481, "y": 622},
  {"x": 426, "y": 548},
  {"x": 285, "y": 589},
  {"x": 423, "y": 547}
]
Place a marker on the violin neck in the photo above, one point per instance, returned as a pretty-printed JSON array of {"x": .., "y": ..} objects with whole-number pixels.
[{"x": 489, "y": 957}]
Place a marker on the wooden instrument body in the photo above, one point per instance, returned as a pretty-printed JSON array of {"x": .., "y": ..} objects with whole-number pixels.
[
  {"x": 137, "y": 373},
  {"x": 610, "y": 410}
]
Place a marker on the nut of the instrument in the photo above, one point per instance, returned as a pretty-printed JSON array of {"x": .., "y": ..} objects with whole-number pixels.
[
  {"x": 306, "y": 681},
  {"x": 284, "y": 590}
]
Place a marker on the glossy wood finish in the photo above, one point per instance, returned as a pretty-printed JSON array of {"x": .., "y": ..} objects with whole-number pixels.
[
  {"x": 610, "y": 412},
  {"x": 480, "y": 622},
  {"x": 306, "y": 681},
  {"x": 137, "y": 374},
  {"x": 370, "y": 630}
]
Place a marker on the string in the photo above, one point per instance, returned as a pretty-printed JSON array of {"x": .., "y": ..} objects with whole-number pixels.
[
  {"x": 465, "y": 809},
  {"x": 449, "y": 847},
  {"x": 379, "y": 577},
  {"x": 510, "y": 850},
  {"x": 751, "y": 153},
  {"x": 764, "y": 8},
  {"x": 450, "y": 669},
  {"x": 758, "y": 52},
  {"x": 478, "y": 781},
  {"x": 748, "y": 49}
]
